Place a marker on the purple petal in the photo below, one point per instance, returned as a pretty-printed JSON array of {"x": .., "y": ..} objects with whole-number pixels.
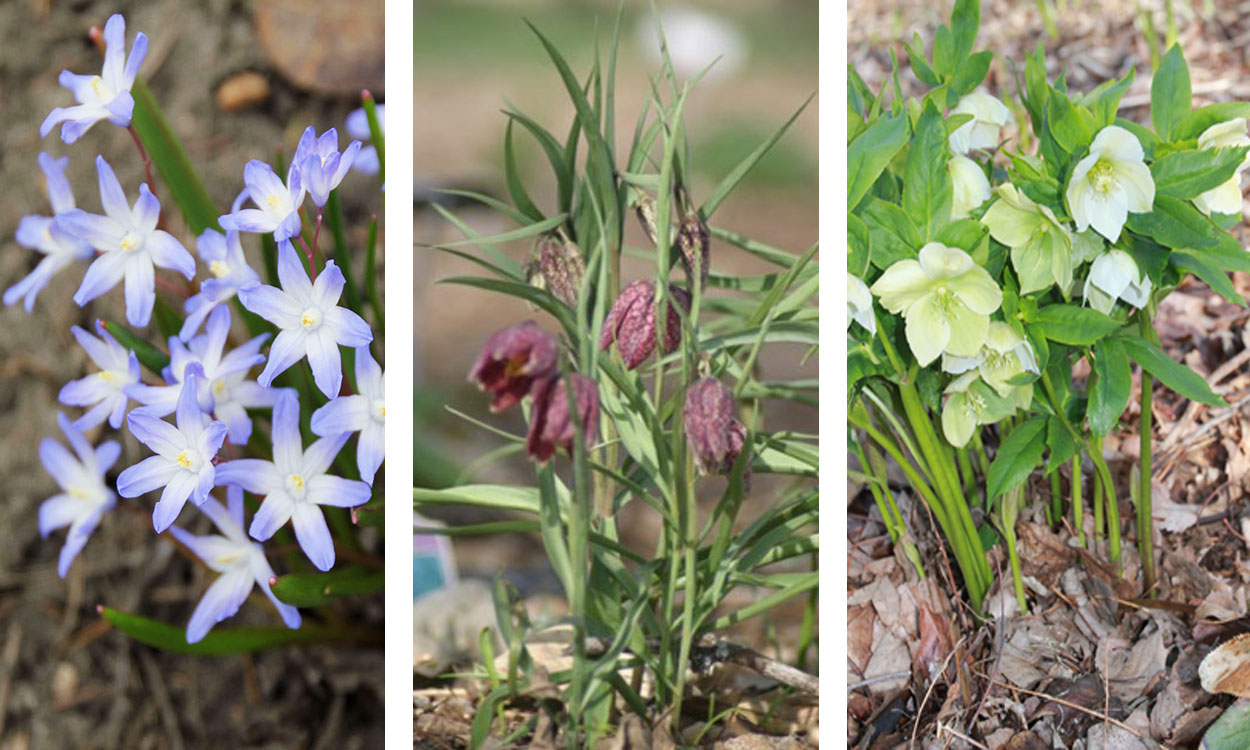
[
  {"x": 138, "y": 51},
  {"x": 370, "y": 450},
  {"x": 272, "y": 514},
  {"x": 140, "y": 290},
  {"x": 252, "y": 474},
  {"x": 147, "y": 211},
  {"x": 145, "y": 476},
  {"x": 329, "y": 286},
  {"x": 179, "y": 488},
  {"x": 287, "y": 349},
  {"x": 221, "y": 600},
  {"x": 321, "y": 454},
  {"x": 168, "y": 252},
  {"x": 342, "y": 415},
  {"x": 338, "y": 492},
  {"x": 288, "y": 446},
  {"x": 272, "y": 304},
  {"x": 103, "y": 274},
  {"x": 313, "y": 535},
  {"x": 79, "y": 532},
  {"x": 250, "y": 220},
  {"x": 57, "y": 511},
  {"x": 349, "y": 328},
  {"x": 323, "y": 357},
  {"x": 292, "y": 274}
]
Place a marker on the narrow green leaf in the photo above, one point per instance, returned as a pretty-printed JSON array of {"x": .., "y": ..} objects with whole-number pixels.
[
  {"x": 493, "y": 496},
  {"x": 1214, "y": 277},
  {"x": 1174, "y": 375},
  {"x": 520, "y": 198},
  {"x": 555, "y": 156},
  {"x": 1017, "y": 456},
  {"x": 516, "y": 234},
  {"x": 221, "y": 641},
  {"x": 149, "y": 356},
  {"x": 317, "y": 589},
  {"x": 377, "y": 137},
  {"x": 170, "y": 159},
  {"x": 731, "y": 180}
]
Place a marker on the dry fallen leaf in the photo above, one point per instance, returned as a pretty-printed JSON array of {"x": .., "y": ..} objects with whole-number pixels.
[{"x": 1227, "y": 668}]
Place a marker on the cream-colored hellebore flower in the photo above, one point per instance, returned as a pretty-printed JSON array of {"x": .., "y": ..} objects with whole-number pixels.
[
  {"x": 1041, "y": 247},
  {"x": 1110, "y": 181},
  {"x": 946, "y": 299},
  {"x": 859, "y": 304},
  {"x": 971, "y": 187},
  {"x": 989, "y": 115},
  {"x": 1114, "y": 275},
  {"x": 1005, "y": 355},
  {"x": 1224, "y": 198},
  {"x": 969, "y": 403}
]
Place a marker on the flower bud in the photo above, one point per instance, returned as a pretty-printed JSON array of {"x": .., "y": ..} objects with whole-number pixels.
[
  {"x": 645, "y": 209},
  {"x": 631, "y": 322},
  {"x": 512, "y": 360},
  {"x": 970, "y": 186},
  {"x": 715, "y": 436},
  {"x": 694, "y": 241},
  {"x": 989, "y": 115},
  {"x": 557, "y": 266},
  {"x": 550, "y": 424}
]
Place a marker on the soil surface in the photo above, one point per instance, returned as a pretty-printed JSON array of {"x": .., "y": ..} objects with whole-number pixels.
[
  {"x": 1093, "y": 663},
  {"x": 66, "y": 679}
]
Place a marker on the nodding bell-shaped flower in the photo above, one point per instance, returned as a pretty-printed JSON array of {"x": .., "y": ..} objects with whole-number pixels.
[
  {"x": 971, "y": 187},
  {"x": 1109, "y": 182},
  {"x": 946, "y": 299},
  {"x": 1114, "y": 275},
  {"x": 240, "y": 562},
  {"x": 321, "y": 166},
  {"x": 695, "y": 242},
  {"x": 631, "y": 322},
  {"x": 44, "y": 235},
  {"x": 989, "y": 115},
  {"x": 859, "y": 304},
  {"x": 1005, "y": 355},
  {"x": 84, "y": 497},
  {"x": 552, "y": 422},
  {"x": 1041, "y": 247},
  {"x": 715, "y": 435},
  {"x": 103, "y": 97},
  {"x": 1226, "y": 198},
  {"x": 970, "y": 403},
  {"x": 512, "y": 361}
]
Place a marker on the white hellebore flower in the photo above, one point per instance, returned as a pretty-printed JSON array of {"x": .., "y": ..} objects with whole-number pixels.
[
  {"x": 1005, "y": 355},
  {"x": 971, "y": 402},
  {"x": 1041, "y": 248},
  {"x": 1226, "y": 198},
  {"x": 1114, "y": 275},
  {"x": 1110, "y": 181},
  {"x": 989, "y": 115},
  {"x": 971, "y": 187},
  {"x": 946, "y": 299},
  {"x": 859, "y": 304}
]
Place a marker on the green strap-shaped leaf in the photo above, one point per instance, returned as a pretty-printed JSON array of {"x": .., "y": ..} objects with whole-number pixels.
[
  {"x": 149, "y": 356},
  {"x": 1111, "y": 387},
  {"x": 1072, "y": 324},
  {"x": 1017, "y": 456},
  {"x": 170, "y": 159},
  {"x": 317, "y": 589},
  {"x": 1171, "y": 96},
  {"x": 493, "y": 496},
  {"x": 1174, "y": 375},
  {"x": 731, "y": 180},
  {"x": 221, "y": 641},
  {"x": 1214, "y": 277},
  {"x": 516, "y": 189}
]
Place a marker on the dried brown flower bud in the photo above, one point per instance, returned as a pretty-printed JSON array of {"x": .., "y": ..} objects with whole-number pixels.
[
  {"x": 550, "y": 424},
  {"x": 715, "y": 435},
  {"x": 645, "y": 209},
  {"x": 631, "y": 322},
  {"x": 694, "y": 241},
  {"x": 512, "y": 360},
  {"x": 557, "y": 266}
]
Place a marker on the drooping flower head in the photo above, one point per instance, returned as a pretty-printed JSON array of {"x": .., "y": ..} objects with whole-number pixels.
[
  {"x": 223, "y": 254},
  {"x": 859, "y": 304},
  {"x": 1109, "y": 182},
  {"x": 103, "y": 97},
  {"x": 321, "y": 166},
  {"x": 364, "y": 412},
  {"x": 632, "y": 325},
  {"x": 104, "y": 391},
  {"x": 1226, "y": 198},
  {"x": 971, "y": 402},
  {"x": 295, "y": 483},
  {"x": 946, "y": 299},
  {"x": 366, "y": 160},
  {"x": 183, "y": 464},
  {"x": 1005, "y": 355},
  {"x": 970, "y": 185},
  {"x": 224, "y": 393},
  {"x": 309, "y": 320},
  {"x": 512, "y": 360},
  {"x": 989, "y": 115},
  {"x": 84, "y": 497},
  {"x": 42, "y": 234},
  {"x": 552, "y": 422},
  {"x": 1041, "y": 247},
  {"x": 277, "y": 202},
  {"x": 240, "y": 561},
  {"x": 130, "y": 246},
  {"x": 715, "y": 434},
  {"x": 1114, "y": 275}
]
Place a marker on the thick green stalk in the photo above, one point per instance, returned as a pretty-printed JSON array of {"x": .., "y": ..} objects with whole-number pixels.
[
  {"x": 1009, "y": 536},
  {"x": 1056, "y": 500},
  {"x": 1145, "y": 518},
  {"x": 1077, "y": 511}
]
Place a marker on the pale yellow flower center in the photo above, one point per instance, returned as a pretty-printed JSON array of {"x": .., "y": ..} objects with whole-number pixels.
[
  {"x": 129, "y": 242},
  {"x": 108, "y": 376},
  {"x": 230, "y": 557},
  {"x": 97, "y": 85},
  {"x": 219, "y": 268},
  {"x": 273, "y": 201},
  {"x": 1102, "y": 178},
  {"x": 79, "y": 494},
  {"x": 219, "y": 389},
  {"x": 295, "y": 486},
  {"x": 379, "y": 410},
  {"x": 311, "y": 318},
  {"x": 184, "y": 459}
]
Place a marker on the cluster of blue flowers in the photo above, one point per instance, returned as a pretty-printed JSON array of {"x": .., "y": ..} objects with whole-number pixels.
[{"x": 207, "y": 388}]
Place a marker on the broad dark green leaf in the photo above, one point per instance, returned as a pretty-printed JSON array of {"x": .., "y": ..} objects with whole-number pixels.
[
  {"x": 869, "y": 154},
  {"x": 858, "y": 246},
  {"x": 1193, "y": 124},
  {"x": 1171, "y": 97},
  {"x": 927, "y": 189},
  {"x": 971, "y": 72},
  {"x": 1110, "y": 389},
  {"x": 1072, "y": 324},
  {"x": 1060, "y": 443},
  {"x": 1175, "y": 223},
  {"x": 1019, "y": 454},
  {"x": 1231, "y": 731},
  {"x": 894, "y": 237},
  {"x": 1070, "y": 125},
  {"x": 1174, "y": 375},
  {"x": 1214, "y": 277},
  {"x": 1190, "y": 173}
]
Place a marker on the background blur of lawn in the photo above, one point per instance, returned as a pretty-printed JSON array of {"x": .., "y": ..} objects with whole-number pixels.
[{"x": 473, "y": 58}]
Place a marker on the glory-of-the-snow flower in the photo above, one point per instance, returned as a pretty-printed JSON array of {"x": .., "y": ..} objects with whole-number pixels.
[
  {"x": 309, "y": 320},
  {"x": 321, "y": 165},
  {"x": 84, "y": 498},
  {"x": 223, "y": 254},
  {"x": 43, "y": 235},
  {"x": 103, "y": 391},
  {"x": 364, "y": 412},
  {"x": 277, "y": 202},
  {"x": 105, "y": 96}
]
